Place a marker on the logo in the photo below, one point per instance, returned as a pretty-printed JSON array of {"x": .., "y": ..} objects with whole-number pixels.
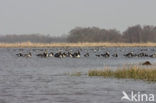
[{"x": 137, "y": 97}]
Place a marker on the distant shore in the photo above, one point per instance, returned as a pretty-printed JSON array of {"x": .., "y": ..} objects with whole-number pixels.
[{"x": 45, "y": 45}]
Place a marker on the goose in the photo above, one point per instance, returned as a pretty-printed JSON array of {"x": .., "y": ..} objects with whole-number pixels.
[
  {"x": 97, "y": 55},
  {"x": 45, "y": 54},
  {"x": 19, "y": 54},
  {"x": 39, "y": 55},
  {"x": 76, "y": 55},
  {"x": 106, "y": 54},
  {"x": 86, "y": 55},
  {"x": 64, "y": 55},
  {"x": 78, "y": 52},
  {"x": 115, "y": 55},
  {"x": 58, "y": 55},
  {"x": 28, "y": 55},
  {"x": 153, "y": 55},
  {"x": 69, "y": 54},
  {"x": 51, "y": 54},
  {"x": 142, "y": 55},
  {"x": 129, "y": 54}
]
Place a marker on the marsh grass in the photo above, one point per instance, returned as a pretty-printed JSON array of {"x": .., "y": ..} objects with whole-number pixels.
[
  {"x": 30, "y": 44},
  {"x": 129, "y": 73}
]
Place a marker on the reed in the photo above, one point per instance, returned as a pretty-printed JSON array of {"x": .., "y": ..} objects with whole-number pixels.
[
  {"x": 127, "y": 73},
  {"x": 42, "y": 45}
]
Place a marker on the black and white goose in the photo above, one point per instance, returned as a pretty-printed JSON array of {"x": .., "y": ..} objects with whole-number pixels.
[
  {"x": 27, "y": 55},
  {"x": 19, "y": 54}
]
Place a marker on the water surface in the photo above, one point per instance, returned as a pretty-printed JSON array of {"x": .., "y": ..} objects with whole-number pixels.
[{"x": 45, "y": 80}]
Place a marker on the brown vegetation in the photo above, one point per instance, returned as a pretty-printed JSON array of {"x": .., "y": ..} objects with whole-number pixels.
[
  {"x": 44, "y": 45},
  {"x": 126, "y": 73}
]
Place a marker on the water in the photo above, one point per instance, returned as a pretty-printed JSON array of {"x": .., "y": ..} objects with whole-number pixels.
[{"x": 45, "y": 80}]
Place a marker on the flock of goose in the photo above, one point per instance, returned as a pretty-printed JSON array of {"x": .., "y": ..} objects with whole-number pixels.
[
  {"x": 51, "y": 54},
  {"x": 131, "y": 54},
  {"x": 77, "y": 54},
  {"x": 64, "y": 54}
]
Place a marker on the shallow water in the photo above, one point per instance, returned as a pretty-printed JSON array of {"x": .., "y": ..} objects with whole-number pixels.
[{"x": 45, "y": 80}]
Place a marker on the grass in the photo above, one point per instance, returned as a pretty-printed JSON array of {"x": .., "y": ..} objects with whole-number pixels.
[
  {"x": 129, "y": 73},
  {"x": 30, "y": 44}
]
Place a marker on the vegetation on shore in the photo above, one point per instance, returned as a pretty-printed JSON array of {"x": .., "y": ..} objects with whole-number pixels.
[
  {"x": 130, "y": 73},
  {"x": 133, "y": 34},
  {"x": 42, "y": 45}
]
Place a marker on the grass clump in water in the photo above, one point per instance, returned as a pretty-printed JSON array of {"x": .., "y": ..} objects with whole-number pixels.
[{"x": 129, "y": 73}]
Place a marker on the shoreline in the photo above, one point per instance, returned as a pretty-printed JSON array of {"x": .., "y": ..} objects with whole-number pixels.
[{"x": 46, "y": 45}]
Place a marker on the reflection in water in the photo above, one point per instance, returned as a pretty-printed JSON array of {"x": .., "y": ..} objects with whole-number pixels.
[{"x": 43, "y": 80}]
